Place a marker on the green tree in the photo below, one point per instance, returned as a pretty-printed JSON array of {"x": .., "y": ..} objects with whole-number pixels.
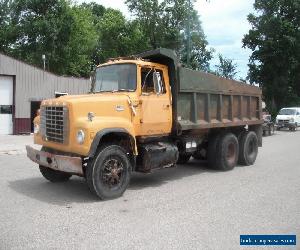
[
  {"x": 164, "y": 24},
  {"x": 6, "y": 34},
  {"x": 118, "y": 37},
  {"x": 275, "y": 43},
  {"x": 226, "y": 68},
  {"x": 64, "y": 33}
]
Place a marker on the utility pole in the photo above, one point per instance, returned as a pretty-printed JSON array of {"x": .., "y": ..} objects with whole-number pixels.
[{"x": 189, "y": 35}]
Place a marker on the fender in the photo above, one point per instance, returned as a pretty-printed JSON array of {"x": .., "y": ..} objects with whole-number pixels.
[{"x": 106, "y": 131}]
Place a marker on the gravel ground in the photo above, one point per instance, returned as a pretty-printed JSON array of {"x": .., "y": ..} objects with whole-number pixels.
[
  {"x": 15, "y": 144},
  {"x": 188, "y": 207}
]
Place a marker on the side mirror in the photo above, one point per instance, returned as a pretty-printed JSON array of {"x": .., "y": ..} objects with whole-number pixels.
[{"x": 157, "y": 83}]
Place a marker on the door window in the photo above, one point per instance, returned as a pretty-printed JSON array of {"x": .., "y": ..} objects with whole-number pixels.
[{"x": 148, "y": 84}]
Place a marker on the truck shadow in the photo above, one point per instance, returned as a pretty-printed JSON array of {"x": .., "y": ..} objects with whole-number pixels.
[
  {"x": 62, "y": 194},
  {"x": 163, "y": 176},
  {"x": 76, "y": 190}
]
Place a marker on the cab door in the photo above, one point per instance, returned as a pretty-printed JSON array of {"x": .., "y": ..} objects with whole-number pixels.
[{"x": 155, "y": 102}]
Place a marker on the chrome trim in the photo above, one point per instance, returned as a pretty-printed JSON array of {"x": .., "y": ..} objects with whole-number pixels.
[{"x": 54, "y": 124}]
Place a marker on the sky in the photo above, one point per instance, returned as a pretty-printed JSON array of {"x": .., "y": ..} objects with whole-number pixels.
[{"x": 224, "y": 23}]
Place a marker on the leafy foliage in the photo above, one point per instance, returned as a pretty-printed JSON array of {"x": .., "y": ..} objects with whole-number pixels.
[
  {"x": 117, "y": 37},
  {"x": 4, "y": 24},
  {"x": 275, "y": 43},
  {"x": 164, "y": 24},
  {"x": 63, "y": 33},
  {"x": 226, "y": 68},
  {"x": 75, "y": 37}
]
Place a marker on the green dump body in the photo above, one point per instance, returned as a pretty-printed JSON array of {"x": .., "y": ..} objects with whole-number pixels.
[
  {"x": 207, "y": 101},
  {"x": 202, "y": 101}
]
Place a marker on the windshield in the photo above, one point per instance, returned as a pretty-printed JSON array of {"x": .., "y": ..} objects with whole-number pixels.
[
  {"x": 117, "y": 77},
  {"x": 287, "y": 112}
]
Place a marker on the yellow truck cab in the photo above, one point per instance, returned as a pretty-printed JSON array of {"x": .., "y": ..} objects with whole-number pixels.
[{"x": 146, "y": 112}]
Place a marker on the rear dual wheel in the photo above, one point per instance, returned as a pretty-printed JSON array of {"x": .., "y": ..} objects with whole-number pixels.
[
  {"x": 223, "y": 151},
  {"x": 248, "y": 148},
  {"x": 183, "y": 158}
]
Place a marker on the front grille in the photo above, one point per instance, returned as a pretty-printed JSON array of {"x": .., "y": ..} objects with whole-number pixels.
[
  {"x": 283, "y": 121},
  {"x": 54, "y": 123}
]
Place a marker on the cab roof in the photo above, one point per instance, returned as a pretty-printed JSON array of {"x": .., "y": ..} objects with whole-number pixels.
[{"x": 137, "y": 61}]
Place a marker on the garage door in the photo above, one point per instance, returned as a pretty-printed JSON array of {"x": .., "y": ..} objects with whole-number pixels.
[{"x": 6, "y": 103}]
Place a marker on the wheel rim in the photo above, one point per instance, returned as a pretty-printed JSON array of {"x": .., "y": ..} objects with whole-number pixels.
[
  {"x": 112, "y": 173},
  {"x": 230, "y": 156}
]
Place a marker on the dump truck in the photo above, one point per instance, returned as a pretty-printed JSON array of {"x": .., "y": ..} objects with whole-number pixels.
[{"x": 143, "y": 113}]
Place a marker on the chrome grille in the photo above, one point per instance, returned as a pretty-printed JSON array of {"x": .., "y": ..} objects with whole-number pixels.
[
  {"x": 283, "y": 121},
  {"x": 54, "y": 123}
]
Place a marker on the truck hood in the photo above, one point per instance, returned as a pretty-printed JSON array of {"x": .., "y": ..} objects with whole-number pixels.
[
  {"x": 92, "y": 97},
  {"x": 101, "y": 104}
]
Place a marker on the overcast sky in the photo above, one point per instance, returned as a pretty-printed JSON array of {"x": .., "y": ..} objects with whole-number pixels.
[{"x": 224, "y": 23}]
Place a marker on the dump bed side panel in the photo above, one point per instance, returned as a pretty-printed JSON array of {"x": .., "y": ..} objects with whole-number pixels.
[{"x": 207, "y": 101}]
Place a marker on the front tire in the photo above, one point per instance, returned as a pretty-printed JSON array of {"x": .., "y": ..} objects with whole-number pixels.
[
  {"x": 54, "y": 175},
  {"x": 248, "y": 148},
  {"x": 51, "y": 174},
  {"x": 108, "y": 174}
]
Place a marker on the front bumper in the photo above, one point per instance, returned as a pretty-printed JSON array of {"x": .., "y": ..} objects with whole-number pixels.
[
  {"x": 286, "y": 125},
  {"x": 68, "y": 164}
]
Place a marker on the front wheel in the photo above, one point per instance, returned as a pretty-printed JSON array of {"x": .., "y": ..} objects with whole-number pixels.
[
  {"x": 51, "y": 174},
  {"x": 54, "y": 175},
  {"x": 109, "y": 173}
]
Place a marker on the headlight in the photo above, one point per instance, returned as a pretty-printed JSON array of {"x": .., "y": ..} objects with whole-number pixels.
[
  {"x": 292, "y": 120},
  {"x": 80, "y": 136},
  {"x": 36, "y": 128}
]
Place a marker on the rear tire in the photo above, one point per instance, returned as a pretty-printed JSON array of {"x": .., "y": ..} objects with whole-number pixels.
[
  {"x": 269, "y": 131},
  {"x": 200, "y": 154},
  {"x": 212, "y": 149},
  {"x": 227, "y": 152},
  {"x": 183, "y": 158},
  {"x": 264, "y": 133},
  {"x": 54, "y": 175},
  {"x": 248, "y": 148},
  {"x": 108, "y": 174}
]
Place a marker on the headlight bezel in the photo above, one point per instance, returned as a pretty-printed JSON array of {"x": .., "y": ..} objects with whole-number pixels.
[{"x": 80, "y": 136}]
